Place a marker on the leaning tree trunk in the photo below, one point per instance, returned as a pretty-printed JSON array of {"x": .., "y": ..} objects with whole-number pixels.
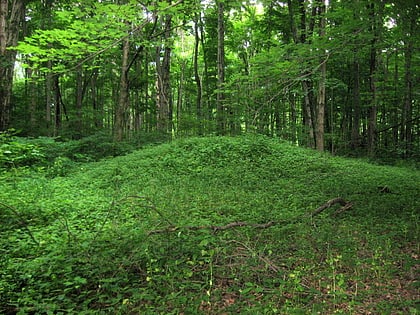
[{"x": 11, "y": 18}]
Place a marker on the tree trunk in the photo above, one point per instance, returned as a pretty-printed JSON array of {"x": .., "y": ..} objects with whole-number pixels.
[
  {"x": 307, "y": 86},
  {"x": 11, "y": 17},
  {"x": 406, "y": 126},
  {"x": 48, "y": 98},
  {"x": 321, "y": 86},
  {"x": 57, "y": 105},
  {"x": 221, "y": 115},
  {"x": 123, "y": 99},
  {"x": 163, "y": 85},
  {"x": 32, "y": 90},
  {"x": 97, "y": 104},
  {"x": 355, "y": 131},
  {"x": 78, "y": 126},
  {"x": 199, "y": 100},
  {"x": 372, "y": 110}
]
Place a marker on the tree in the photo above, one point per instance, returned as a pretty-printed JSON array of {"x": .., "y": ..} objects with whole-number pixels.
[{"x": 12, "y": 16}]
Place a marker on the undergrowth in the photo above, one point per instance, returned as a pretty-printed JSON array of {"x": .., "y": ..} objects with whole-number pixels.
[{"x": 137, "y": 234}]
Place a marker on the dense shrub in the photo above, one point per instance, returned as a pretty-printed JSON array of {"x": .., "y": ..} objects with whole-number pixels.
[{"x": 16, "y": 152}]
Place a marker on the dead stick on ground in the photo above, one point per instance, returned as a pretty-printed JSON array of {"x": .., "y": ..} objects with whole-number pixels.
[{"x": 345, "y": 206}]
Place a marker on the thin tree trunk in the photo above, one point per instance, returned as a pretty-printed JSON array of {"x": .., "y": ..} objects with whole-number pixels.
[
  {"x": 372, "y": 111},
  {"x": 32, "y": 89},
  {"x": 406, "y": 132},
  {"x": 221, "y": 115},
  {"x": 78, "y": 126},
  {"x": 48, "y": 98},
  {"x": 180, "y": 95},
  {"x": 97, "y": 104},
  {"x": 355, "y": 131},
  {"x": 321, "y": 86},
  {"x": 199, "y": 100},
  {"x": 57, "y": 105}
]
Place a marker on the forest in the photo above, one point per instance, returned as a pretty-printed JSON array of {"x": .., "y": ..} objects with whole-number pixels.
[
  {"x": 209, "y": 157},
  {"x": 340, "y": 76}
]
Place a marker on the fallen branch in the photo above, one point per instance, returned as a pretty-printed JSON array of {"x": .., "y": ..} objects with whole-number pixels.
[
  {"x": 216, "y": 228},
  {"x": 345, "y": 206}
]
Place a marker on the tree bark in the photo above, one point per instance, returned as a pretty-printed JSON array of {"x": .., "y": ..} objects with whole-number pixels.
[{"x": 11, "y": 19}]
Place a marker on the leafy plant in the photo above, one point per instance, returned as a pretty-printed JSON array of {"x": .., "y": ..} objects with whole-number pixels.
[{"x": 16, "y": 152}]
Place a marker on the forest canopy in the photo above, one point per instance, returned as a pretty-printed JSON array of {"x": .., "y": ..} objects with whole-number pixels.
[{"x": 334, "y": 75}]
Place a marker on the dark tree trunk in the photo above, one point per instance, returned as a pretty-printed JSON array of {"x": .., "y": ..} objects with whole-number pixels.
[
  {"x": 11, "y": 19},
  {"x": 57, "y": 105}
]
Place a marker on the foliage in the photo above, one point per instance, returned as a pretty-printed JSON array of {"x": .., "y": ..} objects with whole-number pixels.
[
  {"x": 16, "y": 152},
  {"x": 81, "y": 243}
]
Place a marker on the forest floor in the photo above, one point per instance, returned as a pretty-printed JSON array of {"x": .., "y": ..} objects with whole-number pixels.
[{"x": 216, "y": 225}]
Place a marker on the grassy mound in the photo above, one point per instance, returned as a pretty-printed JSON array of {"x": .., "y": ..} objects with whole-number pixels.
[{"x": 211, "y": 226}]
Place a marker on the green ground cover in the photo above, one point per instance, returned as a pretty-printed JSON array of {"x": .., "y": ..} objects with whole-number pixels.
[{"x": 212, "y": 225}]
